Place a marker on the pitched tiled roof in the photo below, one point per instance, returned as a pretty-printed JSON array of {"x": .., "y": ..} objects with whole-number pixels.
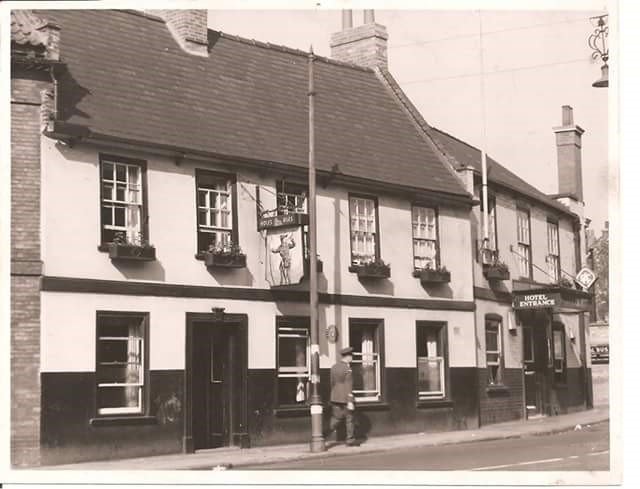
[
  {"x": 128, "y": 78},
  {"x": 466, "y": 155}
]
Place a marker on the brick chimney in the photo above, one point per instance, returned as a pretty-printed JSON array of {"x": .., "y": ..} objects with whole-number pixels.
[
  {"x": 364, "y": 45},
  {"x": 569, "y": 144},
  {"x": 188, "y": 27}
]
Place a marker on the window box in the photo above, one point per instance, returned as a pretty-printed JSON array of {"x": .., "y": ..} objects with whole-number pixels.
[
  {"x": 224, "y": 256},
  {"x": 372, "y": 270},
  {"x": 131, "y": 252},
  {"x": 225, "y": 260},
  {"x": 496, "y": 271},
  {"x": 431, "y": 276}
]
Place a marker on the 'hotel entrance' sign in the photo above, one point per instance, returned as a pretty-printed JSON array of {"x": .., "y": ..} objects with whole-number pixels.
[{"x": 536, "y": 301}]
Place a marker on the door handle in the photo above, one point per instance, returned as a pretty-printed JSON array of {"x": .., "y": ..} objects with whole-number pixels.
[{"x": 216, "y": 381}]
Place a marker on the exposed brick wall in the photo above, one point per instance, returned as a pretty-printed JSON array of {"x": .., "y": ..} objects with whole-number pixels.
[
  {"x": 364, "y": 45},
  {"x": 26, "y": 88},
  {"x": 501, "y": 405}
]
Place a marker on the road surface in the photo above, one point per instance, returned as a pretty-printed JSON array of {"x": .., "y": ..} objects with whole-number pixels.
[{"x": 587, "y": 449}]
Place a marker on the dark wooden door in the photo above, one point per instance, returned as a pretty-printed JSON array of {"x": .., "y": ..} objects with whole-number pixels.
[
  {"x": 535, "y": 350},
  {"x": 213, "y": 381}
]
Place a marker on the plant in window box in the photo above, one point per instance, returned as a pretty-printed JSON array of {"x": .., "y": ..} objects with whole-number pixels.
[
  {"x": 138, "y": 249},
  {"x": 225, "y": 256},
  {"x": 372, "y": 269},
  {"x": 496, "y": 270},
  {"x": 565, "y": 283},
  {"x": 438, "y": 275}
]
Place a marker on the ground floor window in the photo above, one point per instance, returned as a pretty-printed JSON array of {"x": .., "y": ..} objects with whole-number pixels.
[
  {"x": 431, "y": 351},
  {"x": 121, "y": 362},
  {"x": 559, "y": 353},
  {"x": 365, "y": 337},
  {"x": 493, "y": 336},
  {"x": 293, "y": 360}
]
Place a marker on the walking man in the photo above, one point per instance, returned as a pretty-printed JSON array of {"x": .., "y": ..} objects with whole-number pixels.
[{"x": 342, "y": 400}]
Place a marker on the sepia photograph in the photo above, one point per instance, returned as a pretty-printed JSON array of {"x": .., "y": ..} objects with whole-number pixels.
[{"x": 292, "y": 240}]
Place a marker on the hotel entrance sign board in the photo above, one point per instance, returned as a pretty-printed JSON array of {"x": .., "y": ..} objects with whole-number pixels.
[{"x": 536, "y": 301}]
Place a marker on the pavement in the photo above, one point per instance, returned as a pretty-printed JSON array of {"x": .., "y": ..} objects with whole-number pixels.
[{"x": 234, "y": 458}]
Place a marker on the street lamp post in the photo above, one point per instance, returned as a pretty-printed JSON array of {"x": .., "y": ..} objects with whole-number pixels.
[
  {"x": 598, "y": 43},
  {"x": 317, "y": 440}
]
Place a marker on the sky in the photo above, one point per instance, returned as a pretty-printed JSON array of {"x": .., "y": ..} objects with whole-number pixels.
[{"x": 534, "y": 62}]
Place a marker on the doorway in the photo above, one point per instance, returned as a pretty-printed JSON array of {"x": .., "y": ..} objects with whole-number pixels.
[
  {"x": 216, "y": 371},
  {"x": 535, "y": 360}
]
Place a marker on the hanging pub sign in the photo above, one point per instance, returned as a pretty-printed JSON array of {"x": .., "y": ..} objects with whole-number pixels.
[
  {"x": 586, "y": 278},
  {"x": 535, "y": 301},
  {"x": 283, "y": 220},
  {"x": 285, "y": 260}
]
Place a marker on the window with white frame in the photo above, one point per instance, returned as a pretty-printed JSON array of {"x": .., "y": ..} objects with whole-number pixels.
[
  {"x": 122, "y": 205},
  {"x": 291, "y": 197},
  {"x": 364, "y": 338},
  {"x": 364, "y": 237},
  {"x": 431, "y": 360},
  {"x": 293, "y": 360},
  {"x": 524, "y": 243},
  {"x": 553, "y": 247},
  {"x": 215, "y": 210},
  {"x": 493, "y": 337},
  {"x": 425, "y": 238},
  {"x": 559, "y": 353},
  {"x": 120, "y": 362}
]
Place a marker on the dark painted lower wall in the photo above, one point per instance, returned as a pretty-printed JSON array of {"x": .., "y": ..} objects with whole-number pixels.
[
  {"x": 572, "y": 395},
  {"x": 68, "y": 406},
  {"x": 399, "y": 412},
  {"x": 504, "y": 403}
]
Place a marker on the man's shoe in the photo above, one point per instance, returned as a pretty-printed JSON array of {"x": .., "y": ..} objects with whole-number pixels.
[{"x": 353, "y": 443}]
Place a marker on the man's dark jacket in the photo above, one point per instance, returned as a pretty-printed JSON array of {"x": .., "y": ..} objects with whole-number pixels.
[{"x": 341, "y": 383}]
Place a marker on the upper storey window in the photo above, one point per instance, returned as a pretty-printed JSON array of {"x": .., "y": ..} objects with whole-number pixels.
[
  {"x": 215, "y": 210},
  {"x": 524, "y": 243},
  {"x": 425, "y": 238},
  {"x": 122, "y": 206},
  {"x": 364, "y": 230}
]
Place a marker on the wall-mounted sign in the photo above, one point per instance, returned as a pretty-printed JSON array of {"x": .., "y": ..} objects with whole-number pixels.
[
  {"x": 285, "y": 262},
  {"x": 586, "y": 277},
  {"x": 332, "y": 333},
  {"x": 535, "y": 301},
  {"x": 284, "y": 220}
]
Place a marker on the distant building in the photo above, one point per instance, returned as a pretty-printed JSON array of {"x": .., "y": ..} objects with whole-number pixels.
[{"x": 159, "y": 259}]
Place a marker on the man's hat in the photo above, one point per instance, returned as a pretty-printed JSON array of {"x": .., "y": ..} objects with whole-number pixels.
[{"x": 346, "y": 351}]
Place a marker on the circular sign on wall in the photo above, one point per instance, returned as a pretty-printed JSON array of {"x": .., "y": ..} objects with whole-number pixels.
[{"x": 332, "y": 333}]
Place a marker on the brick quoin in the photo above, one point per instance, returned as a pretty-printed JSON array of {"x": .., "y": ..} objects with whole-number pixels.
[{"x": 26, "y": 265}]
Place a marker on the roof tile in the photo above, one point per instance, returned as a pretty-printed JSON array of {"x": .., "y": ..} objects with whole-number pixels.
[{"x": 128, "y": 78}]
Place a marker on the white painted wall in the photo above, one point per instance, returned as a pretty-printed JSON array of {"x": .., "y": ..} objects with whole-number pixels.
[
  {"x": 69, "y": 325},
  {"x": 71, "y": 230},
  {"x": 511, "y": 340},
  {"x": 506, "y": 218}
]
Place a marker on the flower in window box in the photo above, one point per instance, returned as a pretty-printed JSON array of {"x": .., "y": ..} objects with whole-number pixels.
[
  {"x": 372, "y": 269},
  {"x": 496, "y": 270},
  {"x": 438, "y": 275},
  {"x": 227, "y": 255},
  {"x": 138, "y": 249},
  {"x": 565, "y": 283}
]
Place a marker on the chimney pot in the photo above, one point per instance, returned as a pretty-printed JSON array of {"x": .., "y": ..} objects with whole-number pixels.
[
  {"x": 347, "y": 19},
  {"x": 369, "y": 17},
  {"x": 364, "y": 45},
  {"x": 567, "y": 115}
]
